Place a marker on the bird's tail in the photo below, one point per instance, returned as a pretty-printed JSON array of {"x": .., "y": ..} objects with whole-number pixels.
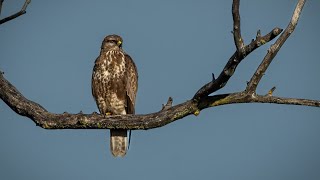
[{"x": 118, "y": 142}]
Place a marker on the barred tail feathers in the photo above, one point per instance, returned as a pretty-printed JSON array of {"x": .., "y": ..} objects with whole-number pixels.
[{"x": 118, "y": 142}]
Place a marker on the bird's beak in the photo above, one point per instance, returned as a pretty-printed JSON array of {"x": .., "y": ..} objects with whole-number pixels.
[{"x": 119, "y": 43}]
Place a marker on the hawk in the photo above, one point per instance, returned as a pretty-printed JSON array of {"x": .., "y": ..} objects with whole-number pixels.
[{"x": 114, "y": 87}]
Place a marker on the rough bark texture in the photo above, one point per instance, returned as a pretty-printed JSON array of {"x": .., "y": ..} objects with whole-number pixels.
[{"x": 201, "y": 100}]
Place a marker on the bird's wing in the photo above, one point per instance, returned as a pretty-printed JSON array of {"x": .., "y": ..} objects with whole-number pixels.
[{"x": 131, "y": 84}]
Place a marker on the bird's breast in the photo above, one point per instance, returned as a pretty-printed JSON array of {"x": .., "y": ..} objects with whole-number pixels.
[{"x": 110, "y": 65}]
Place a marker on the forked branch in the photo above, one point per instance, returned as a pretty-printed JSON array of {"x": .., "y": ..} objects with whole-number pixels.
[{"x": 233, "y": 63}]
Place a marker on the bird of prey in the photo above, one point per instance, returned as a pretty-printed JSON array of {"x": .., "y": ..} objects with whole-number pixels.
[{"x": 114, "y": 87}]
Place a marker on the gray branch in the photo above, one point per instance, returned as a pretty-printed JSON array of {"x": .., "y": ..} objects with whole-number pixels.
[{"x": 274, "y": 49}]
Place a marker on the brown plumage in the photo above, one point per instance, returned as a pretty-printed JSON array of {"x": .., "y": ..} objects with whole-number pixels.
[{"x": 114, "y": 87}]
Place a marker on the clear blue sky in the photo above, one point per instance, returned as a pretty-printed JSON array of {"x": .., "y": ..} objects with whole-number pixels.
[{"x": 48, "y": 54}]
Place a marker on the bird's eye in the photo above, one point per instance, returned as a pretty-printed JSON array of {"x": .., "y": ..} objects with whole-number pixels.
[{"x": 112, "y": 41}]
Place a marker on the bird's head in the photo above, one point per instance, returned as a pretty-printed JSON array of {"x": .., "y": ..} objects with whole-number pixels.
[{"x": 112, "y": 42}]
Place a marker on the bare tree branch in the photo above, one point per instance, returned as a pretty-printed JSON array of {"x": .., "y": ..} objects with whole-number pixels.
[
  {"x": 236, "y": 27},
  {"x": 232, "y": 64},
  {"x": 1, "y": 1},
  {"x": 274, "y": 49},
  {"x": 21, "y": 12},
  {"x": 244, "y": 97},
  {"x": 241, "y": 52},
  {"x": 17, "y": 102}
]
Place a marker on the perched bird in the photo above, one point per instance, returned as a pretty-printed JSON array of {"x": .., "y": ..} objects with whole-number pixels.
[{"x": 114, "y": 87}]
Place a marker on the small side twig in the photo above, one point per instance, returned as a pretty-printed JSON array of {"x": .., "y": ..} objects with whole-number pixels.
[
  {"x": 21, "y": 12},
  {"x": 168, "y": 105},
  {"x": 270, "y": 92}
]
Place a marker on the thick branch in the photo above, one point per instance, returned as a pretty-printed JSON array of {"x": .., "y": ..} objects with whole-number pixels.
[
  {"x": 17, "y": 102},
  {"x": 274, "y": 49},
  {"x": 21, "y": 12}
]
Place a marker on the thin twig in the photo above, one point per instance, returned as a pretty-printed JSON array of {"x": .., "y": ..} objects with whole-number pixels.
[
  {"x": 236, "y": 28},
  {"x": 270, "y": 92},
  {"x": 168, "y": 104},
  {"x": 274, "y": 49},
  {"x": 1, "y": 1},
  {"x": 21, "y": 12}
]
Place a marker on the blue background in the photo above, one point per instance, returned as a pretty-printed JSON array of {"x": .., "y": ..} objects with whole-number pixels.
[{"x": 48, "y": 54}]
